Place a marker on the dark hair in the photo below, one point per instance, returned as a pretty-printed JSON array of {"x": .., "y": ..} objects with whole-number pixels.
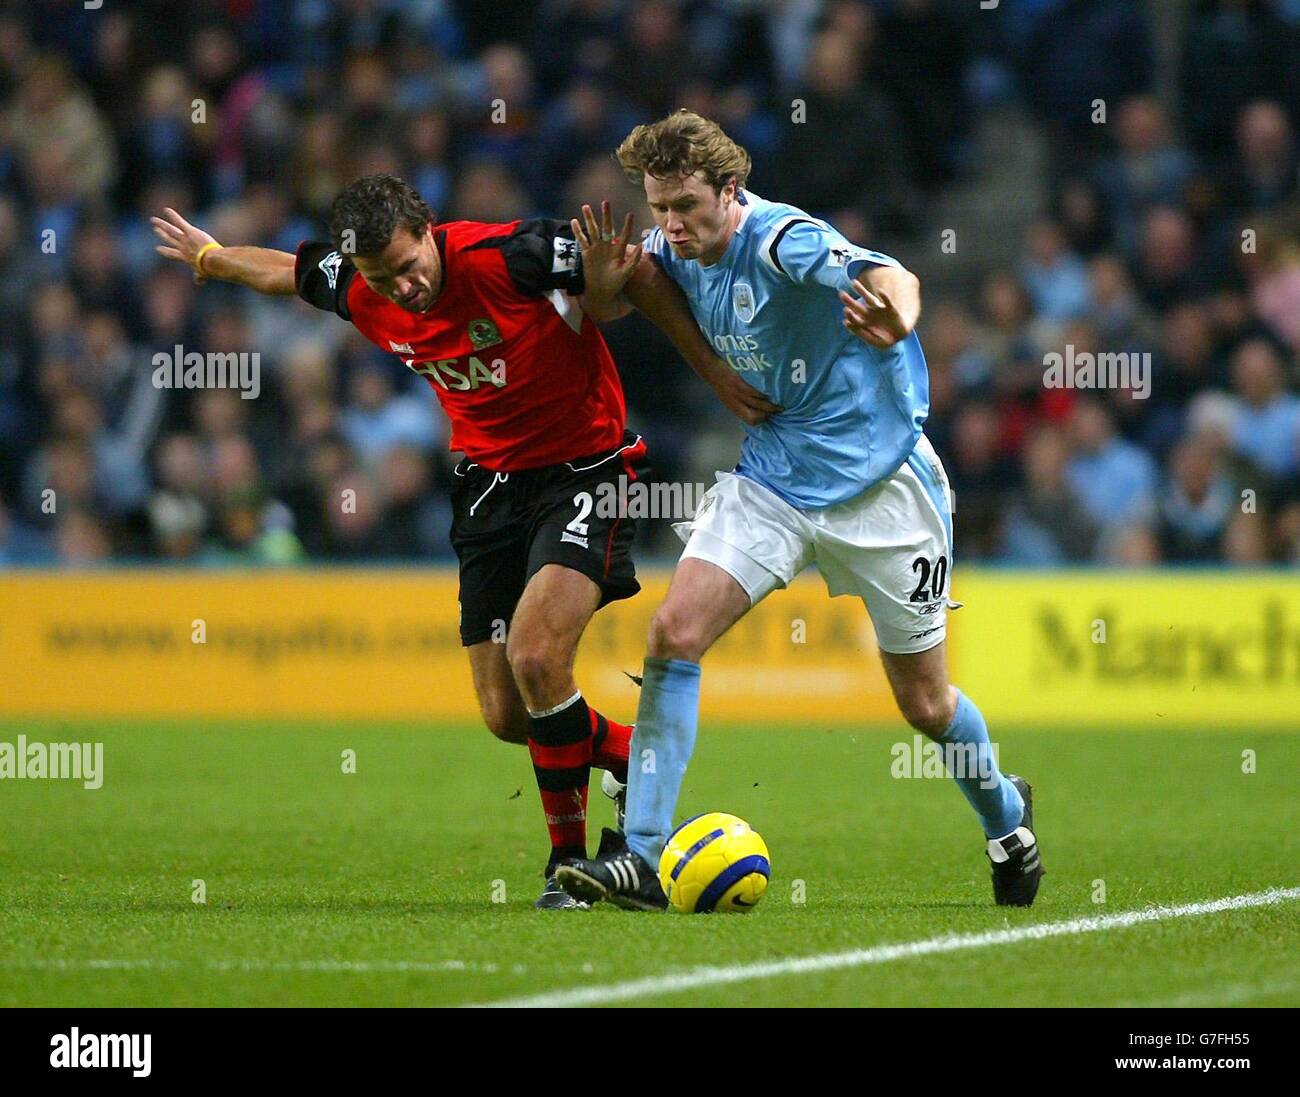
[{"x": 373, "y": 208}]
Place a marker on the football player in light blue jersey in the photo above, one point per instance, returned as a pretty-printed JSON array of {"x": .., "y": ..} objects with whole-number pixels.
[
  {"x": 770, "y": 306},
  {"x": 840, "y": 475}
]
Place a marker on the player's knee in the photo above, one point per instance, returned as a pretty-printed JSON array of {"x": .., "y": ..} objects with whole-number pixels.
[
  {"x": 928, "y": 710},
  {"x": 675, "y": 634},
  {"x": 505, "y": 719},
  {"x": 535, "y": 665}
]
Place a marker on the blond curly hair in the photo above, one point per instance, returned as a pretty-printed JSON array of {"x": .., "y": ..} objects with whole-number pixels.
[{"x": 680, "y": 145}]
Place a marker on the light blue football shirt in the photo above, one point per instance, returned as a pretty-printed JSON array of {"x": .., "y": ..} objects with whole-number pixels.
[{"x": 769, "y": 306}]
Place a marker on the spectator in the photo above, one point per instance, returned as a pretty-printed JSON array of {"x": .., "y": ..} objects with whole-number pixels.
[
  {"x": 1079, "y": 53},
  {"x": 1055, "y": 277},
  {"x": 1234, "y": 52},
  {"x": 500, "y": 135},
  {"x": 1275, "y": 284},
  {"x": 378, "y": 419},
  {"x": 1267, "y": 431},
  {"x": 587, "y": 121},
  {"x": 1147, "y": 169},
  {"x": 1196, "y": 504},
  {"x": 1082, "y": 217},
  {"x": 178, "y": 507},
  {"x": 1114, "y": 308},
  {"x": 413, "y": 527},
  {"x": 843, "y": 112},
  {"x": 982, "y": 476},
  {"x": 81, "y": 540},
  {"x": 1266, "y": 171},
  {"x": 1114, "y": 479},
  {"x": 1046, "y": 522},
  {"x": 1169, "y": 267},
  {"x": 1172, "y": 228},
  {"x": 53, "y": 118},
  {"x": 655, "y": 58}
]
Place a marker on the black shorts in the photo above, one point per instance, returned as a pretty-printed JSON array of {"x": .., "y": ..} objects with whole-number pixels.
[{"x": 506, "y": 526}]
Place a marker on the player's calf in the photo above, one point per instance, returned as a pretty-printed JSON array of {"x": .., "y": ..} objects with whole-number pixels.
[{"x": 921, "y": 689}]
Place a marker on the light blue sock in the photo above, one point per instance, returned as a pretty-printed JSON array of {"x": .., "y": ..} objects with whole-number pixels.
[
  {"x": 995, "y": 799},
  {"x": 666, "y": 721}
]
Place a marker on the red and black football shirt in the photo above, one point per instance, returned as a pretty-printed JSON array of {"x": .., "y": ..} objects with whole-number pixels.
[{"x": 525, "y": 378}]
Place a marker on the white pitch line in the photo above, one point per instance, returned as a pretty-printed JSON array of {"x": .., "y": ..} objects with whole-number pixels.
[{"x": 882, "y": 954}]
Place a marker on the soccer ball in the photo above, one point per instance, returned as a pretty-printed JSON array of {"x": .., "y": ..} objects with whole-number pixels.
[{"x": 714, "y": 862}]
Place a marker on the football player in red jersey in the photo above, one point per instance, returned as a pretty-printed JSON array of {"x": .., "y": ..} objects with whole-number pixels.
[{"x": 491, "y": 315}]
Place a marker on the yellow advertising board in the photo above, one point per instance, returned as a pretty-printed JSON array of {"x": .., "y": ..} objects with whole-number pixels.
[
  {"x": 1101, "y": 649},
  {"x": 1125, "y": 649},
  {"x": 382, "y": 644}
]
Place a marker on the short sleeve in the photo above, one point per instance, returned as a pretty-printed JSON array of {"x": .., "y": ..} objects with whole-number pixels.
[
  {"x": 806, "y": 250},
  {"x": 541, "y": 255},
  {"x": 322, "y": 276}
]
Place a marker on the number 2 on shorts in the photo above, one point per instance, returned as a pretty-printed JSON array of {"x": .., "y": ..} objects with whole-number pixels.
[{"x": 583, "y": 502}]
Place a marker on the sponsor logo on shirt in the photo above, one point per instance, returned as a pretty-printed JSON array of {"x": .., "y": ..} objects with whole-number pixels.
[
  {"x": 450, "y": 374},
  {"x": 742, "y": 352}
]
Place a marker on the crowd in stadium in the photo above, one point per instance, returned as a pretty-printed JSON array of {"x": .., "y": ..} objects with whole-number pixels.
[{"x": 1172, "y": 229}]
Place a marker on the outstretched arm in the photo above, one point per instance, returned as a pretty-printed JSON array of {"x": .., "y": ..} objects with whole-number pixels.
[
  {"x": 618, "y": 277},
  {"x": 661, "y": 300},
  {"x": 261, "y": 269}
]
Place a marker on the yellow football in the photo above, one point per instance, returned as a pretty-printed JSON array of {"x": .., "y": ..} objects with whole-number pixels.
[{"x": 714, "y": 862}]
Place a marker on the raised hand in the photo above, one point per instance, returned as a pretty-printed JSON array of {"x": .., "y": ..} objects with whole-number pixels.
[
  {"x": 181, "y": 240},
  {"x": 607, "y": 260}
]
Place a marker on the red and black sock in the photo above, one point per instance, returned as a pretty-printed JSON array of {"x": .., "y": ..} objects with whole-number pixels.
[
  {"x": 610, "y": 743},
  {"x": 560, "y": 743}
]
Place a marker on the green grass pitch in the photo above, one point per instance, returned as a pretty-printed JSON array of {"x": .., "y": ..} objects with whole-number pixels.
[{"x": 378, "y": 887}]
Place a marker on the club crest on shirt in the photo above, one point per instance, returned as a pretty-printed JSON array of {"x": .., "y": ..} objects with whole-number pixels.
[
  {"x": 483, "y": 333},
  {"x": 742, "y": 299}
]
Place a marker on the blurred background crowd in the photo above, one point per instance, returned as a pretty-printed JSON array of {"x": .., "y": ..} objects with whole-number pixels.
[{"x": 1108, "y": 175}]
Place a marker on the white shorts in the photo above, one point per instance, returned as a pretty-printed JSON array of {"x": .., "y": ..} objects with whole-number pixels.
[{"x": 891, "y": 546}]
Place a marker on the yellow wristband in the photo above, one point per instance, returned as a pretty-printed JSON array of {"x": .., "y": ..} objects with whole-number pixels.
[{"x": 198, "y": 259}]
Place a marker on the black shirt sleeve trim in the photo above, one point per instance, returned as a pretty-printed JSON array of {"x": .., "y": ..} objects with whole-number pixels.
[
  {"x": 322, "y": 277},
  {"x": 540, "y": 255},
  {"x": 776, "y": 243}
]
